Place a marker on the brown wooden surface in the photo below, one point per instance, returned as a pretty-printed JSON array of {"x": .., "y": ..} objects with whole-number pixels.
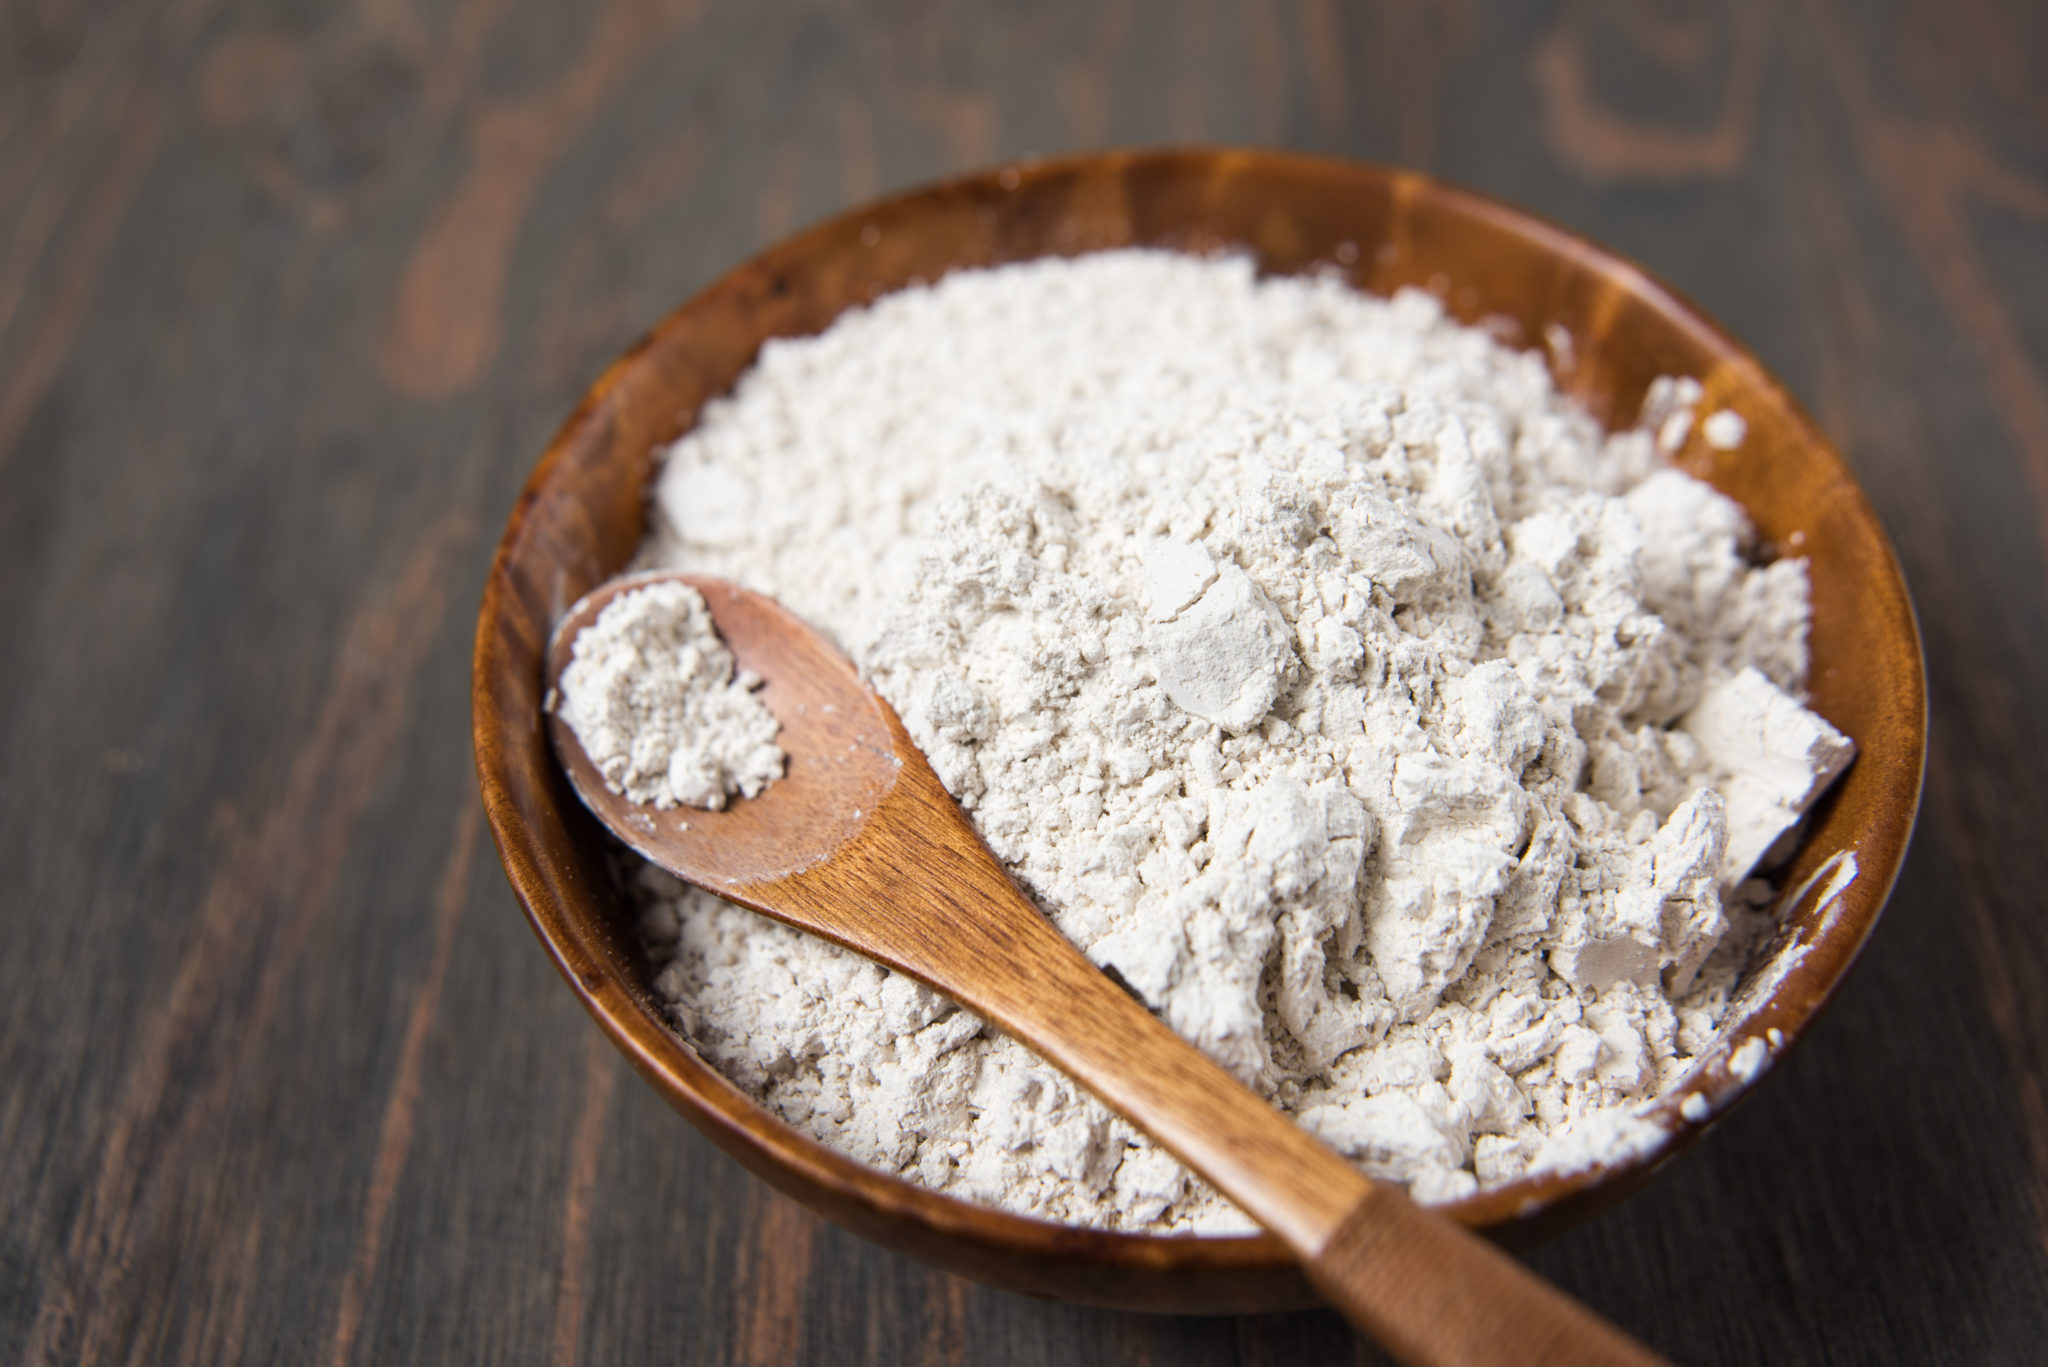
[{"x": 291, "y": 298}]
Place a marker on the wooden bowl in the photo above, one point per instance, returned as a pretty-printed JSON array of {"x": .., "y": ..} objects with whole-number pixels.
[{"x": 581, "y": 515}]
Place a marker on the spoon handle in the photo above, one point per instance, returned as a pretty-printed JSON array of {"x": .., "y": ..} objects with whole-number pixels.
[
  {"x": 916, "y": 888},
  {"x": 1434, "y": 1294}
]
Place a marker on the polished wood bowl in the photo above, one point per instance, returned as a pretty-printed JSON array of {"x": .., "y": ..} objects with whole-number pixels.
[{"x": 1608, "y": 329}]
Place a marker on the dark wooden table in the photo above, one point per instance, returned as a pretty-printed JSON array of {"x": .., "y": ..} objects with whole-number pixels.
[{"x": 290, "y": 299}]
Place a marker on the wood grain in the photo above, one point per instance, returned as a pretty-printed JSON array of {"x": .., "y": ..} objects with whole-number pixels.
[{"x": 207, "y": 212}]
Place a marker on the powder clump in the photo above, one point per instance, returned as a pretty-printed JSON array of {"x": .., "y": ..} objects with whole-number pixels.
[
  {"x": 651, "y": 693},
  {"x": 1396, "y": 735}
]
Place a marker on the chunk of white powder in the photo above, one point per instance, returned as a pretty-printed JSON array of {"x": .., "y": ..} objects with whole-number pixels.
[
  {"x": 1772, "y": 758},
  {"x": 1226, "y": 656},
  {"x": 1724, "y": 429},
  {"x": 1311, "y": 661},
  {"x": 651, "y": 694}
]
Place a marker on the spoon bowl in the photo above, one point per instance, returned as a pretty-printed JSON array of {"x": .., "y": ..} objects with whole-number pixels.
[{"x": 836, "y": 732}]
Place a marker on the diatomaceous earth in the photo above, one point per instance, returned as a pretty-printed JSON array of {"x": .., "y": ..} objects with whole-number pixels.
[
  {"x": 1394, "y": 734},
  {"x": 651, "y": 693}
]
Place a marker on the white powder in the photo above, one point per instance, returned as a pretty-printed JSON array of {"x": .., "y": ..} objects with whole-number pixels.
[
  {"x": 1724, "y": 429},
  {"x": 1313, "y": 664},
  {"x": 651, "y": 694},
  {"x": 1749, "y": 1059}
]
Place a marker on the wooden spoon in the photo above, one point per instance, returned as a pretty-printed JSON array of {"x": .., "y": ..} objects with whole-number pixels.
[{"x": 860, "y": 843}]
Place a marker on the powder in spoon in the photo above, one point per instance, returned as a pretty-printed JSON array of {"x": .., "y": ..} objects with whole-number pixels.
[
  {"x": 651, "y": 693},
  {"x": 1313, "y": 663}
]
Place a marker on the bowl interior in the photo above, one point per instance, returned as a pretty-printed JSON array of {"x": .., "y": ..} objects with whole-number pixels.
[{"x": 1608, "y": 329}]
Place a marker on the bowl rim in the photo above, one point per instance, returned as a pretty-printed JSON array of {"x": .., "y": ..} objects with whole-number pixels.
[{"x": 893, "y": 1210}]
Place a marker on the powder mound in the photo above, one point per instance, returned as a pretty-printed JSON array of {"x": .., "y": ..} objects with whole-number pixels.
[
  {"x": 651, "y": 694},
  {"x": 1398, "y": 736}
]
